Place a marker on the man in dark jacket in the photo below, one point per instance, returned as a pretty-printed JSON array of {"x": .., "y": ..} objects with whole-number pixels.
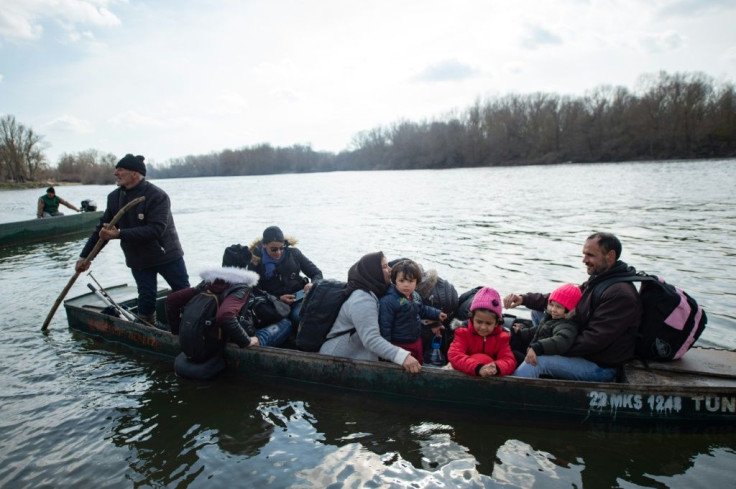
[
  {"x": 146, "y": 232},
  {"x": 607, "y": 331}
]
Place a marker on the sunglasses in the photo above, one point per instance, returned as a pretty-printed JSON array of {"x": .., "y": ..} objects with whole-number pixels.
[{"x": 275, "y": 249}]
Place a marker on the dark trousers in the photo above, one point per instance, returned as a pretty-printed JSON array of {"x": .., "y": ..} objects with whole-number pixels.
[{"x": 175, "y": 274}]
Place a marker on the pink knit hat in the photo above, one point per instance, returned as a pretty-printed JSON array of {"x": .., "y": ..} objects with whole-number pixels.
[
  {"x": 568, "y": 295},
  {"x": 487, "y": 298}
]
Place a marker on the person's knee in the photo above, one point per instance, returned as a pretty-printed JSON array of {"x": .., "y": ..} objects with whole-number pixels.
[
  {"x": 274, "y": 334},
  {"x": 526, "y": 370}
]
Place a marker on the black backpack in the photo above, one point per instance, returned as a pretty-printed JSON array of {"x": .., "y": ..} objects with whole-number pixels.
[
  {"x": 464, "y": 302},
  {"x": 319, "y": 312},
  {"x": 671, "y": 321},
  {"x": 265, "y": 308},
  {"x": 199, "y": 336}
]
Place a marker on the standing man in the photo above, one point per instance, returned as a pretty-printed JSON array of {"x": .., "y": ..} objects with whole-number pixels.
[
  {"x": 48, "y": 204},
  {"x": 146, "y": 232},
  {"x": 607, "y": 333}
]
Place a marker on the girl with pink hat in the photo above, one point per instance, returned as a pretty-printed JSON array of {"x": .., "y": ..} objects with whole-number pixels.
[
  {"x": 481, "y": 346},
  {"x": 557, "y": 331}
]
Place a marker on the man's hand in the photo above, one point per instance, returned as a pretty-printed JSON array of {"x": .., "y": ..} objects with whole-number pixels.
[
  {"x": 82, "y": 265},
  {"x": 512, "y": 300},
  {"x": 108, "y": 234}
]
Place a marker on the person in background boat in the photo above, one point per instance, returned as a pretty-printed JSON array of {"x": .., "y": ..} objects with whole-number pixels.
[
  {"x": 355, "y": 333},
  {"x": 556, "y": 332},
  {"x": 607, "y": 334},
  {"x": 48, "y": 204},
  {"x": 279, "y": 265},
  {"x": 147, "y": 235},
  {"x": 481, "y": 345},
  {"x": 401, "y": 310}
]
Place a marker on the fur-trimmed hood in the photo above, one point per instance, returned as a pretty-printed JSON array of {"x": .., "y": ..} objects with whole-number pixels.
[
  {"x": 255, "y": 248},
  {"x": 232, "y": 275},
  {"x": 428, "y": 283}
]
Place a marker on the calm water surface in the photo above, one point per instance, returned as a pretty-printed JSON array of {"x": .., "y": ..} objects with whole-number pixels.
[{"x": 75, "y": 413}]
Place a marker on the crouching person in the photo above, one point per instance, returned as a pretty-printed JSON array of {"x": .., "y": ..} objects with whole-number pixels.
[{"x": 206, "y": 316}]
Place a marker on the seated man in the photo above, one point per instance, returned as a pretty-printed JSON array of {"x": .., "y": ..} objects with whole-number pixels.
[
  {"x": 48, "y": 204},
  {"x": 607, "y": 331},
  {"x": 280, "y": 266}
]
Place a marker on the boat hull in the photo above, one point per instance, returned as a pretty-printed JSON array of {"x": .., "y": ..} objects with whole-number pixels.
[
  {"x": 35, "y": 230},
  {"x": 711, "y": 401}
]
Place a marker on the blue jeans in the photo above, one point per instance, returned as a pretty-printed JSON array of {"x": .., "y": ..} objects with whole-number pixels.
[
  {"x": 537, "y": 317},
  {"x": 566, "y": 368},
  {"x": 175, "y": 274},
  {"x": 275, "y": 334},
  {"x": 294, "y": 314}
]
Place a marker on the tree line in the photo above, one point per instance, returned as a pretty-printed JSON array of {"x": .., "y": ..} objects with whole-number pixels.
[
  {"x": 22, "y": 159},
  {"x": 670, "y": 116}
]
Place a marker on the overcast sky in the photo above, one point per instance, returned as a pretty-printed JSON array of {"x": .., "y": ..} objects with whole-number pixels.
[{"x": 170, "y": 78}]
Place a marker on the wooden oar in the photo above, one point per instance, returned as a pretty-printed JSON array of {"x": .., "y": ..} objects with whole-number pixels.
[{"x": 90, "y": 257}]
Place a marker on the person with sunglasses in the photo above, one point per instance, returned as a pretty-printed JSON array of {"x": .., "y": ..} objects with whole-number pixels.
[{"x": 280, "y": 266}]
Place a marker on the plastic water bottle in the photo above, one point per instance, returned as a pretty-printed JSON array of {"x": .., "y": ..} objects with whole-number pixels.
[{"x": 436, "y": 357}]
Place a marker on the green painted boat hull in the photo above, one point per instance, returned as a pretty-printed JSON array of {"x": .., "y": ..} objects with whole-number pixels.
[
  {"x": 684, "y": 398},
  {"x": 36, "y": 230}
]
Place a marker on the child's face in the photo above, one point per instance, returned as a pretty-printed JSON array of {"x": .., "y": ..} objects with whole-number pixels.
[
  {"x": 405, "y": 285},
  {"x": 556, "y": 310},
  {"x": 484, "y": 321}
]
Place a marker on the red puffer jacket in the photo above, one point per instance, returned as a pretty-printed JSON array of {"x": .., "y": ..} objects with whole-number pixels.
[{"x": 469, "y": 350}]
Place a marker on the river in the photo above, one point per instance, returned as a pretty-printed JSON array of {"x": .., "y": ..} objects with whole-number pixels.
[{"x": 78, "y": 413}]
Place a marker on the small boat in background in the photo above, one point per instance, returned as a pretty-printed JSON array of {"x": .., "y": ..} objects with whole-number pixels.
[
  {"x": 697, "y": 390},
  {"x": 35, "y": 230}
]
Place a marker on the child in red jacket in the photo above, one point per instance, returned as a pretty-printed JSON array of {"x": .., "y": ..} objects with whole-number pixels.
[{"x": 481, "y": 348}]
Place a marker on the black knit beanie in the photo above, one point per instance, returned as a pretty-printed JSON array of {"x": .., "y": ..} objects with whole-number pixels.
[
  {"x": 271, "y": 234},
  {"x": 133, "y": 163}
]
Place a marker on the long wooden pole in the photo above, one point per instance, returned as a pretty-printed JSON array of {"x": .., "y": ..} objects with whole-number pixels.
[{"x": 98, "y": 246}]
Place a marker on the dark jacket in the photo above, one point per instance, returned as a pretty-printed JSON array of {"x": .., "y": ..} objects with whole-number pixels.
[
  {"x": 554, "y": 336},
  {"x": 286, "y": 278},
  {"x": 400, "y": 318},
  {"x": 607, "y": 333},
  {"x": 148, "y": 235}
]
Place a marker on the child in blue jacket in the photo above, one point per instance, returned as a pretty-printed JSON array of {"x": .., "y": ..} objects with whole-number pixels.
[{"x": 401, "y": 309}]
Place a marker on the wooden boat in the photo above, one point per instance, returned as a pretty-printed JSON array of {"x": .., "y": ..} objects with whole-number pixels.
[
  {"x": 699, "y": 389},
  {"x": 35, "y": 230}
]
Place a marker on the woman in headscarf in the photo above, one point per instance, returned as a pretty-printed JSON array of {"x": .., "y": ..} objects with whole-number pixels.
[{"x": 355, "y": 333}]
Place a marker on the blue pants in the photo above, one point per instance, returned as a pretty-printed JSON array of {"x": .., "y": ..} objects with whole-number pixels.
[
  {"x": 175, "y": 274},
  {"x": 566, "y": 368},
  {"x": 275, "y": 334},
  {"x": 294, "y": 315}
]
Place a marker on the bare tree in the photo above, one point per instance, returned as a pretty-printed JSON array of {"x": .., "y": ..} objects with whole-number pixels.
[{"x": 21, "y": 151}]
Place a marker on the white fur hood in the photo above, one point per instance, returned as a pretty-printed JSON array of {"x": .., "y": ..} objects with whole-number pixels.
[{"x": 232, "y": 275}]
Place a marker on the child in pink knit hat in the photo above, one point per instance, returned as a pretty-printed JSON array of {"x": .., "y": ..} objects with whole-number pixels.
[
  {"x": 557, "y": 331},
  {"x": 481, "y": 346}
]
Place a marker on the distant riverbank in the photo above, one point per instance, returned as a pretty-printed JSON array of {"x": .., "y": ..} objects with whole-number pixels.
[{"x": 41, "y": 185}]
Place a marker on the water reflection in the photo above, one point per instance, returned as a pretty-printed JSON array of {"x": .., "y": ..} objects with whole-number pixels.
[{"x": 178, "y": 435}]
